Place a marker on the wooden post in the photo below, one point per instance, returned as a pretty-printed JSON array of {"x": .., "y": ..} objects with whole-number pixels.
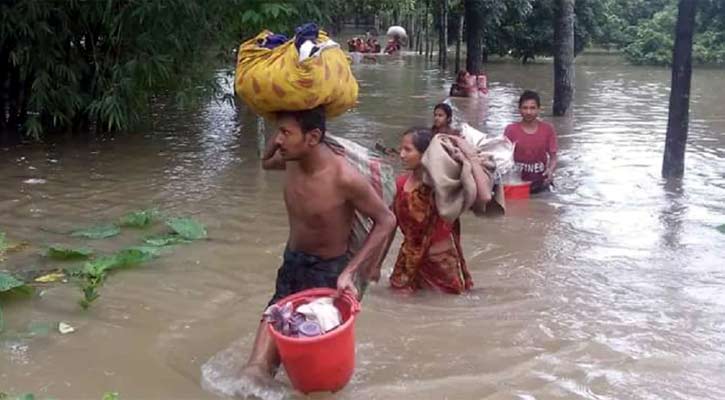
[
  {"x": 673, "y": 164},
  {"x": 563, "y": 57}
]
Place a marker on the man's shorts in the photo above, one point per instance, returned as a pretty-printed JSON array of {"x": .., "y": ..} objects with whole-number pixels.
[{"x": 300, "y": 271}]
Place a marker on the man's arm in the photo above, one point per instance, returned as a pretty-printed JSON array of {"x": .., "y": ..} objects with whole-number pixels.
[
  {"x": 271, "y": 159},
  {"x": 367, "y": 202}
]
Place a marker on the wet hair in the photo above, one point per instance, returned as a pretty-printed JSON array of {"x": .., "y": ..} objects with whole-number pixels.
[
  {"x": 529, "y": 95},
  {"x": 460, "y": 75},
  {"x": 421, "y": 138},
  {"x": 446, "y": 109},
  {"x": 308, "y": 119}
]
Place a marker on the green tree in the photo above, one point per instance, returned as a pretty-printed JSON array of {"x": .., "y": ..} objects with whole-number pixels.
[{"x": 97, "y": 65}]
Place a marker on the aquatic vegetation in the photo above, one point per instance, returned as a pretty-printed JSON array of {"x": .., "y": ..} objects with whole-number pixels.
[
  {"x": 92, "y": 274},
  {"x": 187, "y": 228},
  {"x": 11, "y": 285},
  {"x": 59, "y": 252}
]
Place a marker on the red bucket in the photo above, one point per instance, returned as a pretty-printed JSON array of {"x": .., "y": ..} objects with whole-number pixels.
[
  {"x": 517, "y": 191},
  {"x": 323, "y": 363}
]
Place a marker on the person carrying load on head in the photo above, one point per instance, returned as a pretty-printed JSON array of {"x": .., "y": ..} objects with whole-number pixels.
[{"x": 339, "y": 225}]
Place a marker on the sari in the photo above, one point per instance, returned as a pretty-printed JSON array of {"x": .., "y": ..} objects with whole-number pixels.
[{"x": 422, "y": 227}]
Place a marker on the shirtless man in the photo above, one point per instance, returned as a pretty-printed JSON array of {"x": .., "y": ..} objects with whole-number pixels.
[{"x": 322, "y": 192}]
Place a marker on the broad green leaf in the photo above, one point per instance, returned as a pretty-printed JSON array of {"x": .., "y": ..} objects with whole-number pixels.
[
  {"x": 138, "y": 219},
  {"x": 135, "y": 255},
  {"x": 9, "y": 282},
  {"x": 721, "y": 228},
  {"x": 165, "y": 240},
  {"x": 123, "y": 258},
  {"x": 111, "y": 396},
  {"x": 99, "y": 266},
  {"x": 26, "y": 396},
  {"x": 98, "y": 232},
  {"x": 59, "y": 252},
  {"x": 187, "y": 228}
]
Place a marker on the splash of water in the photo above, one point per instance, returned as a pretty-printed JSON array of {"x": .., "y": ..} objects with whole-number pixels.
[{"x": 220, "y": 375}]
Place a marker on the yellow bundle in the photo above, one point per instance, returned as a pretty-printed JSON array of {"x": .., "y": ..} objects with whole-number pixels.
[{"x": 272, "y": 80}]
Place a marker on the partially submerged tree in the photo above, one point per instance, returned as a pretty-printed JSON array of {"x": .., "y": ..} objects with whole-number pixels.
[
  {"x": 673, "y": 164},
  {"x": 563, "y": 57}
]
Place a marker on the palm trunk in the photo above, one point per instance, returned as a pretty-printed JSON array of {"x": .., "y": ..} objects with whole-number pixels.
[{"x": 673, "y": 164}]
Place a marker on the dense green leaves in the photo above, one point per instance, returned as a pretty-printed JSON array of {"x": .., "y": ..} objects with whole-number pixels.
[{"x": 79, "y": 65}]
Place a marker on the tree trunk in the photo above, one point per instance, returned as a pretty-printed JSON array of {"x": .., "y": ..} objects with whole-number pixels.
[
  {"x": 484, "y": 52},
  {"x": 459, "y": 39},
  {"x": 427, "y": 29},
  {"x": 474, "y": 27},
  {"x": 563, "y": 57},
  {"x": 438, "y": 18},
  {"x": 444, "y": 34},
  {"x": 419, "y": 35},
  {"x": 411, "y": 34},
  {"x": 673, "y": 164},
  {"x": 3, "y": 91}
]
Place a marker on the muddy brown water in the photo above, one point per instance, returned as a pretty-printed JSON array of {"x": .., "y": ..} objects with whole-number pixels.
[{"x": 612, "y": 287}]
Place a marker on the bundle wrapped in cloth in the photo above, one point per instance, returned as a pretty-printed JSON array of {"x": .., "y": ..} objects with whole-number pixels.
[
  {"x": 274, "y": 74},
  {"x": 452, "y": 181}
]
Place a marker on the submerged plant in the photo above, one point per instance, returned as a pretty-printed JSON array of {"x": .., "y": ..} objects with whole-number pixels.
[
  {"x": 93, "y": 273},
  {"x": 11, "y": 285},
  {"x": 59, "y": 252},
  {"x": 187, "y": 228}
]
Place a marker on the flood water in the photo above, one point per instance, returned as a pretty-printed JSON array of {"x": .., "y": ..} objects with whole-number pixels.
[{"x": 612, "y": 287}]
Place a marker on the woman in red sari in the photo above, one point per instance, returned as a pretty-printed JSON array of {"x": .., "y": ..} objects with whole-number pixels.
[{"x": 430, "y": 256}]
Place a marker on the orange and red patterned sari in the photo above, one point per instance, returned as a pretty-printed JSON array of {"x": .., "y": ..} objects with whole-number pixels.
[{"x": 422, "y": 227}]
